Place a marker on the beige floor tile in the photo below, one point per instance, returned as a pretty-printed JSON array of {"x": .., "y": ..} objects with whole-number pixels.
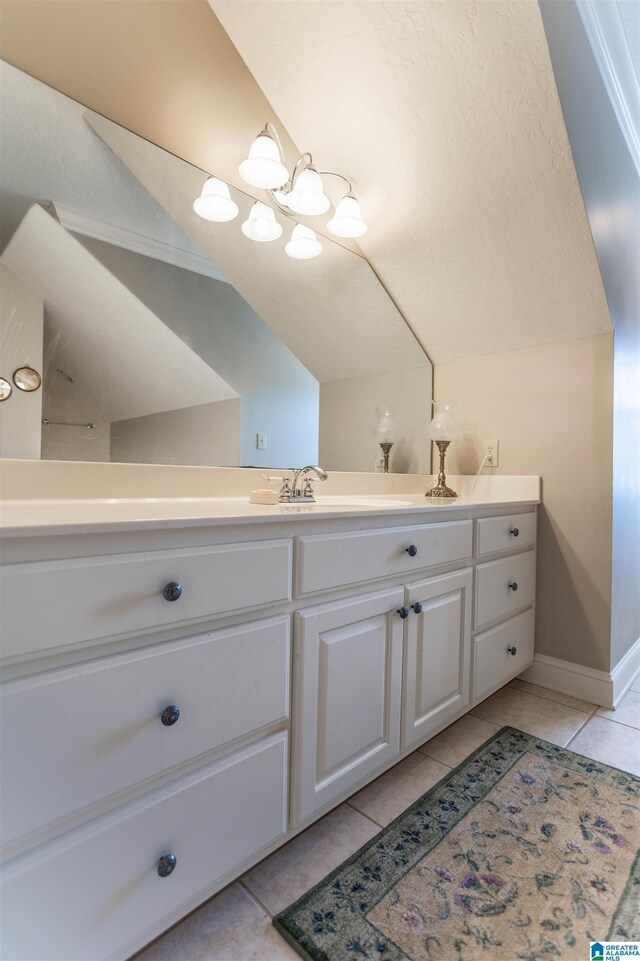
[
  {"x": 627, "y": 711},
  {"x": 553, "y": 695},
  {"x": 611, "y": 743},
  {"x": 536, "y": 715},
  {"x": 291, "y": 870},
  {"x": 455, "y": 743},
  {"x": 389, "y": 795},
  {"x": 229, "y": 927}
]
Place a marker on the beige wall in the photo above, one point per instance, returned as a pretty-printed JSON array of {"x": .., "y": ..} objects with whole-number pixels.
[
  {"x": 207, "y": 435},
  {"x": 21, "y": 343},
  {"x": 348, "y": 418},
  {"x": 551, "y": 408}
]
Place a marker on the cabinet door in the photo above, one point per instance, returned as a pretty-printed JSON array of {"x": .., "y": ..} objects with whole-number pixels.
[
  {"x": 347, "y": 690},
  {"x": 436, "y": 669}
]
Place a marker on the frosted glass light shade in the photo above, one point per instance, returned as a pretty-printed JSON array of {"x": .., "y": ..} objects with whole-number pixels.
[
  {"x": 303, "y": 244},
  {"x": 308, "y": 196},
  {"x": 263, "y": 167},
  {"x": 386, "y": 430},
  {"x": 444, "y": 425},
  {"x": 214, "y": 202},
  {"x": 347, "y": 220},
  {"x": 261, "y": 224}
]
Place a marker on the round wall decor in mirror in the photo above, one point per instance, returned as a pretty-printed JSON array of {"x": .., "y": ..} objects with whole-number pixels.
[
  {"x": 27, "y": 379},
  {"x": 5, "y": 389}
]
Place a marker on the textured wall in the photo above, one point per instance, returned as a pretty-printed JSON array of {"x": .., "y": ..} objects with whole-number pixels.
[
  {"x": 551, "y": 408},
  {"x": 609, "y": 181},
  {"x": 447, "y": 117}
]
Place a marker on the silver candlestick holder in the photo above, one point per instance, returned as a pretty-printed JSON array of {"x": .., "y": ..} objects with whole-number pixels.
[
  {"x": 386, "y": 448},
  {"x": 441, "y": 489}
]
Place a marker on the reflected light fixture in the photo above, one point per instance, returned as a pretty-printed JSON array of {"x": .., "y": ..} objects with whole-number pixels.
[
  {"x": 215, "y": 203},
  {"x": 304, "y": 245},
  {"x": 261, "y": 224}
]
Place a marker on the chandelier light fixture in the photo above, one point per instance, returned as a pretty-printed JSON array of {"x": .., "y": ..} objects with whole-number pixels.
[{"x": 302, "y": 193}]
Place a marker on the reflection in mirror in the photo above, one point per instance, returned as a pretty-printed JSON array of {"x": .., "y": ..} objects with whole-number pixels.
[{"x": 167, "y": 338}]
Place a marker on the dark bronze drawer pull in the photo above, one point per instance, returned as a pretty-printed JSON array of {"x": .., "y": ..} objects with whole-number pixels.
[
  {"x": 166, "y": 865},
  {"x": 172, "y": 591},
  {"x": 170, "y": 715}
]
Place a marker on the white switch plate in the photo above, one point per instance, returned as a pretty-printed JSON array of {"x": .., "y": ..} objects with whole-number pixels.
[
  {"x": 261, "y": 441},
  {"x": 491, "y": 449}
]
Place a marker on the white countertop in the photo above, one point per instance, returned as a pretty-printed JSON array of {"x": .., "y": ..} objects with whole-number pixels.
[{"x": 81, "y": 516}]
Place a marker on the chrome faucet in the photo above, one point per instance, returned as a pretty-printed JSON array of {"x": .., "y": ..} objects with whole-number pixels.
[{"x": 300, "y": 490}]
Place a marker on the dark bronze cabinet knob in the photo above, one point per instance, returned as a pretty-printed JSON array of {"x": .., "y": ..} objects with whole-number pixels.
[
  {"x": 514, "y": 531},
  {"x": 166, "y": 865},
  {"x": 513, "y": 650},
  {"x": 172, "y": 591},
  {"x": 411, "y": 550},
  {"x": 403, "y": 612},
  {"x": 513, "y": 585},
  {"x": 170, "y": 715},
  {"x": 417, "y": 607}
]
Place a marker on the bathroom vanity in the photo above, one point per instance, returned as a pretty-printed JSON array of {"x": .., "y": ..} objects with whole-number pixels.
[{"x": 187, "y": 687}]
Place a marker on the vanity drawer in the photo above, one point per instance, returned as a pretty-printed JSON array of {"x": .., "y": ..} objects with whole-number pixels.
[
  {"x": 504, "y": 587},
  {"x": 93, "y": 893},
  {"x": 327, "y": 561},
  {"x": 505, "y": 532},
  {"x": 53, "y": 604},
  {"x": 494, "y": 660},
  {"x": 225, "y": 684}
]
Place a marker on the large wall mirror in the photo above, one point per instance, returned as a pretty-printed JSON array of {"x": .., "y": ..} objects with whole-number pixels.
[{"x": 164, "y": 338}]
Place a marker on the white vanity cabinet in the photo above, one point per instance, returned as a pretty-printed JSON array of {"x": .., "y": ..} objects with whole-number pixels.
[
  {"x": 347, "y": 683},
  {"x": 157, "y": 743},
  {"x": 437, "y": 654}
]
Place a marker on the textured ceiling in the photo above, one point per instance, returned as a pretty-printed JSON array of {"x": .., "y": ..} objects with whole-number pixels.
[{"x": 447, "y": 118}]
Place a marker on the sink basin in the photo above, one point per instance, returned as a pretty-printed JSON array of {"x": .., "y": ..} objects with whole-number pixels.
[{"x": 353, "y": 500}]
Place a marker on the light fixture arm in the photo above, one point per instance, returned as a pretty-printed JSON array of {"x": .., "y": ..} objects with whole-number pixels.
[{"x": 330, "y": 173}]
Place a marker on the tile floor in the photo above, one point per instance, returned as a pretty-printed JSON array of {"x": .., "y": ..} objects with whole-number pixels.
[{"x": 235, "y": 925}]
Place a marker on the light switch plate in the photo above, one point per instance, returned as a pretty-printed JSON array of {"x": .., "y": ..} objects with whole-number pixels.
[{"x": 261, "y": 441}]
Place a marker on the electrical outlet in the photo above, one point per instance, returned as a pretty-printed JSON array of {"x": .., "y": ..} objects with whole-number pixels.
[
  {"x": 490, "y": 449},
  {"x": 261, "y": 441}
]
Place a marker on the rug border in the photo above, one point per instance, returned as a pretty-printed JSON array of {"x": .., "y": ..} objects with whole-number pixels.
[{"x": 319, "y": 954}]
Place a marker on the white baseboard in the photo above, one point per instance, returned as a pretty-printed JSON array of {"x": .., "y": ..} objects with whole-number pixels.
[{"x": 600, "y": 687}]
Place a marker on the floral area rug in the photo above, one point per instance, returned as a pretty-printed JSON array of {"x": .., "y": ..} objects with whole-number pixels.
[{"x": 525, "y": 852}]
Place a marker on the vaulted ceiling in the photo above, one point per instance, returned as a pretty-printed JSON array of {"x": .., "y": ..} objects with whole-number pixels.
[
  {"x": 445, "y": 114},
  {"x": 447, "y": 117}
]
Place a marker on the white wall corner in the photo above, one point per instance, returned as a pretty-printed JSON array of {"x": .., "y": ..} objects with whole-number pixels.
[{"x": 599, "y": 687}]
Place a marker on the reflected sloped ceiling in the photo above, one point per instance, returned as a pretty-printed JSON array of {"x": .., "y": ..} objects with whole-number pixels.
[
  {"x": 446, "y": 116},
  {"x": 103, "y": 331}
]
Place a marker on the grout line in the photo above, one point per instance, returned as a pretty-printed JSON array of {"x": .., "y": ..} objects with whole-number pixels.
[
  {"x": 581, "y": 728},
  {"x": 544, "y": 697},
  {"x": 367, "y": 816},
  {"x": 254, "y": 897},
  {"x": 631, "y": 727}
]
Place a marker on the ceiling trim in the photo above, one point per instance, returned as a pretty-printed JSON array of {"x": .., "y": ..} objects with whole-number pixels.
[{"x": 81, "y": 223}]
